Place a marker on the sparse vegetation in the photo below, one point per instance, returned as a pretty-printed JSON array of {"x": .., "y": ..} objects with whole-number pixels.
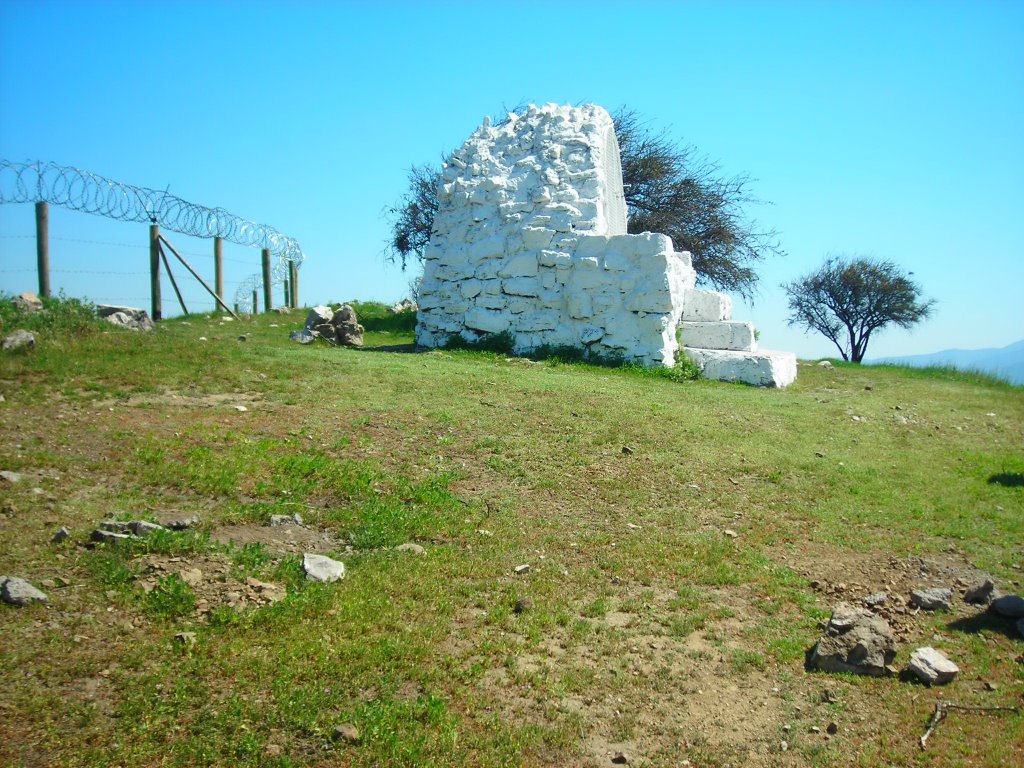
[{"x": 673, "y": 530}]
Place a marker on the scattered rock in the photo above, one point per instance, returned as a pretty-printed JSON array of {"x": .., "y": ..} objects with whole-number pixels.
[
  {"x": 620, "y": 758},
  {"x": 132, "y": 318},
  {"x": 824, "y": 364},
  {"x": 730, "y": 533},
  {"x": 28, "y": 303},
  {"x": 61, "y": 535},
  {"x": 405, "y": 305},
  {"x": 855, "y": 641},
  {"x": 282, "y": 310},
  {"x": 522, "y": 605},
  {"x": 876, "y": 600},
  {"x": 187, "y": 639},
  {"x": 101, "y": 536},
  {"x": 276, "y": 520},
  {"x": 521, "y": 569},
  {"x": 980, "y": 592},
  {"x": 1010, "y": 606},
  {"x": 932, "y": 599},
  {"x": 626, "y": 450},
  {"x": 182, "y": 523},
  {"x": 10, "y": 477},
  {"x": 240, "y": 408},
  {"x": 416, "y": 549},
  {"x": 931, "y": 666},
  {"x": 832, "y": 728},
  {"x": 347, "y": 733},
  {"x": 16, "y": 591},
  {"x": 243, "y": 337},
  {"x": 303, "y": 336},
  {"x": 20, "y": 339},
  {"x": 819, "y": 454},
  {"x": 143, "y": 528},
  {"x": 322, "y": 568}
]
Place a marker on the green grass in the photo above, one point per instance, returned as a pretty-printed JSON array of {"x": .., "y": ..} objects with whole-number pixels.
[{"x": 637, "y": 598}]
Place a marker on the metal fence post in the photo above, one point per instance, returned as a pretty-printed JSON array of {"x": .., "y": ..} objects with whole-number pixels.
[
  {"x": 43, "y": 247},
  {"x": 267, "y": 298}
]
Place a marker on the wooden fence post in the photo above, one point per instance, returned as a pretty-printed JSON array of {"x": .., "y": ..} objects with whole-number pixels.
[
  {"x": 268, "y": 302},
  {"x": 43, "y": 247},
  {"x": 218, "y": 269},
  {"x": 287, "y": 296},
  {"x": 154, "y": 272},
  {"x": 293, "y": 272}
]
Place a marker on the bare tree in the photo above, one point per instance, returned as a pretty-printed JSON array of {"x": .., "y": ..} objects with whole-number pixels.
[
  {"x": 669, "y": 189},
  {"x": 850, "y": 297}
]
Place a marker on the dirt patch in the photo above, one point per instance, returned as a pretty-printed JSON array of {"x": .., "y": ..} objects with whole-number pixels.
[
  {"x": 177, "y": 399},
  {"x": 281, "y": 539}
]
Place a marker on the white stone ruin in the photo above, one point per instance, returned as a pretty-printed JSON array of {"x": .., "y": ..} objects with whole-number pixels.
[{"x": 530, "y": 238}]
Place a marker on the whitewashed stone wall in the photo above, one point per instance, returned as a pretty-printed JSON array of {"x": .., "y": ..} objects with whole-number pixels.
[{"x": 531, "y": 238}]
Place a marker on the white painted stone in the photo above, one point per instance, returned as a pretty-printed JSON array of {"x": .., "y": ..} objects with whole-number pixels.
[
  {"x": 706, "y": 306},
  {"x": 765, "y": 368},
  {"x": 322, "y": 568},
  {"x": 530, "y": 237},
  {"x": 731, "y": 334}
]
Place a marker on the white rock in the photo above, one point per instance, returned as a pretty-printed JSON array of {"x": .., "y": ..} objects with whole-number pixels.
[
  {"x": 322, "y": 568},
  {"x": 19, "y": 339},
  {"x": 17, "y": 591},
  {"x": 706, "y": 306},
  {"x": 415, "y": 549},
  {"x": 931, "y": 666}
]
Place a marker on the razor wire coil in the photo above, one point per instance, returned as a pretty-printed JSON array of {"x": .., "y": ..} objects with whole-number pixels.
[{"x": 80, "y": 190}]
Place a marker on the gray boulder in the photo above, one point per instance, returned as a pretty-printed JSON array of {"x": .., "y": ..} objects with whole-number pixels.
[
  {"x": 303, "y": 336},
  {"x": 318, "y": 323},
  {"x": 20, "y": 339},
  {"x": 17, "y": 591},
  {"x": 932, "y": 599},
  {"x": 322, "y": 568},
  {"x": 347, "y": 330},
  {"x": 855, "y": 641},
  {"x": 1010, "y": 606},
  {"x": 932, "y": 666}
]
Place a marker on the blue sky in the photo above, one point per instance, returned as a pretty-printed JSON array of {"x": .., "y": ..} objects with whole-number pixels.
[{"x": 890, "y": 129}]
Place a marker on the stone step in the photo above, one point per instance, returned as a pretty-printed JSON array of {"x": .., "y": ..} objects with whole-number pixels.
[
  {"x": 764, "y": 368},
  {"x": 706, "y": 306},
  {"x": 729, "y": 334}
]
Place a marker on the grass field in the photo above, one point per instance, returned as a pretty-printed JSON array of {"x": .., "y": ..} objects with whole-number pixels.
[{"x": 684, "y": 540}]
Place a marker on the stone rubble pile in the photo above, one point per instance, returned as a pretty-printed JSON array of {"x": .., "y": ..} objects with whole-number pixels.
[
  {"x": 530, "y": 239},
  {"x": 126, "y": 317},
  {"x": 339, "y": 327},
  {"x": 115, "y": 531}
]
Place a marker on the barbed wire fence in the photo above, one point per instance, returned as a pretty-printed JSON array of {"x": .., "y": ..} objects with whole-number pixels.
[{"x": 80, "y": 190}]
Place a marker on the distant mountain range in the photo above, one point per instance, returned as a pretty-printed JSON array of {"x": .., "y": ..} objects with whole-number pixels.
[{"x": 1007, "y": 362}]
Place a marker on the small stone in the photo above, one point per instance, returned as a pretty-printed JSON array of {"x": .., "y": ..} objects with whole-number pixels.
[
  {"x": 931, "y": 666},
  {"x": 824, "y": 364},
  {"x": 620, "y": 759},
  {"x": 61, "y": 535},
  {"x": 101, "y": 536},
  {"x": 182, "y": 523},
  {"x": 875, "y": 600},
  {"x": 626, "y": 450},
  {"x": 832, "y": 729},
  {"x": 243, "y": 337},
  {"x": 10, "y": 477},
  {"x": 415, "y": 549},
  {"x": 276, "y": 520},
  {"x": 990, "y": 686},
  {"x": 932, "y": 599},
  {"x": 1010, "y": 606},
  {"x": 730, "y": 533},
  {"x": 815, "y": 729},
  {"x": 522, "y": 605},
  {"x": 28, "y": 302},
  {"x": 20, "y": 339},
  {"x": 347, "y": 733},
  {"x": 143, "y": 528},
  {"x": 240, "y": 408},
  {"x": 783, "y": 746},
  {"x": 16, "y": 591},
  {"x": 521, "y": 569},
  {"x": 187, "y": 639},
  {"x": 819, "y": 454},
  {"x": 322, "y": 568},
  {"x": 980, "y": 592}
]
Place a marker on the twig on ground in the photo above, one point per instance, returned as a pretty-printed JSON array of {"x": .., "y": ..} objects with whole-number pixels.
[{"x": 942, "y": 707}]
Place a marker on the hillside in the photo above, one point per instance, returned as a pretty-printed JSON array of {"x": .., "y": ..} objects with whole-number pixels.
[
  {"x": 684, "y": 540},
  {"x": 1006, "y": 362}
]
